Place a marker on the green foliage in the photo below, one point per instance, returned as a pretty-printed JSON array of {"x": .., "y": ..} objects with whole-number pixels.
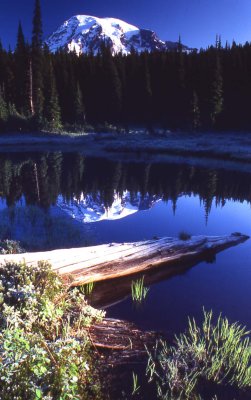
[
  {"x": 139, "y": 292},
  {"x": 10, "y": 247},
  {"x": 44, "y": 344},
  {"x": 219, "y": 352}
]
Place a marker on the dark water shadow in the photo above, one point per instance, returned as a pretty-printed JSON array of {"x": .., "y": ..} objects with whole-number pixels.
[{"x": 111, "y": 292}]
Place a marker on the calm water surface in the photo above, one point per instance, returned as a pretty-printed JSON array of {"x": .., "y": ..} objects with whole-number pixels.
[{"x": 54, "y": 200}]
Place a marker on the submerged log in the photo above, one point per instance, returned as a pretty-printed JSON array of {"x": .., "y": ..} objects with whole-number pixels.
[
  {"x": 120, "y": 342},
  {"x": 109, "y": 261}
]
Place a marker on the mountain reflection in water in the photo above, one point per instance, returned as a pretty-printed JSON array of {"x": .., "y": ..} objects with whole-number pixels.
[{"x": 41, "y": 178}]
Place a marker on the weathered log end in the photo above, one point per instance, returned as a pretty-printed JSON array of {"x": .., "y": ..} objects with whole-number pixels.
[{"x": 120, "y": 342}]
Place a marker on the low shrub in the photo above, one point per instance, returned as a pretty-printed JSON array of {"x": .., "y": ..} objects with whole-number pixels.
[
  {"x": 10, "y": 247},
  {"x": 44, "y": 343}
]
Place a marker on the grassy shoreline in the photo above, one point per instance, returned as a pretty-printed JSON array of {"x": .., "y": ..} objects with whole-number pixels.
[{"x": 217, "y": 150}]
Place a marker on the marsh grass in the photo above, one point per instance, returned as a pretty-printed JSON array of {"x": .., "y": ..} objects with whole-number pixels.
[
  {"x": 87, "y": 289},
  {"x": 139, "y": 291},
  {"x": 135, "y": 384},
  {"x": 220, "y": 353}
]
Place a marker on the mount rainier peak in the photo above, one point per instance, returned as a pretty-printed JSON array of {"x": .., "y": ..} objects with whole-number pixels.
[{"x": 85, "y": 34}]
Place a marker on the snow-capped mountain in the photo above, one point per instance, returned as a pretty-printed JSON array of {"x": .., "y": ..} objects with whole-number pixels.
[
  {"x": 85, "y": 34},
  {"x": 89, "y": 209}
]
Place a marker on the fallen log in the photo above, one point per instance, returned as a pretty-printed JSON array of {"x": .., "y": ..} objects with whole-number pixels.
[
  {"x": 120, "y": 342},
  {"x": 109, "y": 261}
]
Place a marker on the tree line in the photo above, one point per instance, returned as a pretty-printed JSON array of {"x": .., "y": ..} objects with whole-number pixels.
[{"x": 206, "y": 89}]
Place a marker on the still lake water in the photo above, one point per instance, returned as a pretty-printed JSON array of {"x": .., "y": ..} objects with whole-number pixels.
[{"x": 55, "y": 200}]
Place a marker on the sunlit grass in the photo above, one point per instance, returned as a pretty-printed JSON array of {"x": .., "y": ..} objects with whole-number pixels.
[
  {"x": 87, "y": 289},
  {"x": 139, "y": 291},
  {"x": 135, "y": 384}
]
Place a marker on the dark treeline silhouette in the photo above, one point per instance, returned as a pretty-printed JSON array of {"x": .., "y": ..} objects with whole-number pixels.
[
  {"x": 206, "y": 89},
  {"x": 42, "y": 177}
]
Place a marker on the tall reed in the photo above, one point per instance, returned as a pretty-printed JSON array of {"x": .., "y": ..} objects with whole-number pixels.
[{"x": 139, "y": 292}]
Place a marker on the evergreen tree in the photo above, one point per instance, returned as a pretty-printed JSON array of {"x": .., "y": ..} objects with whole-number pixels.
[
  {"x": 146, "y": 92},
  {"x": 3, "y": 109},
  {"x": 20, "y": 48},
  {"x": 179, "y": 46},
  {"x": 52, "y": 111},
  {"x": 22, "y": 74},
  {"x": 79, "y": 106},
  {"x": 110, "y": 88},
  {"x": 216, "y": 95},
  {"x": 195, "y": 112},
  {"x": 37, "y": 32},
  {"x": 9, "y": 86},
  {"x": 37, "y": 63}
]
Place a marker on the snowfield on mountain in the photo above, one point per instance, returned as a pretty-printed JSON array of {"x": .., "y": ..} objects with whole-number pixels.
[{"x": 87, "y": 34}]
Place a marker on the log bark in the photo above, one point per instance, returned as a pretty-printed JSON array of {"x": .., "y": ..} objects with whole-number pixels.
[
  {"x": 120, "y": 342},
  {"x": 105, "y": 262}
]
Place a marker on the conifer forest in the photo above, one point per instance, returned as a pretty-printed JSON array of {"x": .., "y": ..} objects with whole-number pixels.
[{"x": 207, "y": 89}]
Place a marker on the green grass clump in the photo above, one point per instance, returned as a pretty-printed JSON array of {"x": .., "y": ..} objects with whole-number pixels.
[
  {"x": 87, "y": 289},
  {"x": 44, "y": 343},
  {"x": 220, "y": 353},
  {"x": 139, "y": 292}
]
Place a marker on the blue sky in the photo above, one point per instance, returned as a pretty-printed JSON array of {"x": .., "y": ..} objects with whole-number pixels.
[{"x": 197, "y": 21}]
